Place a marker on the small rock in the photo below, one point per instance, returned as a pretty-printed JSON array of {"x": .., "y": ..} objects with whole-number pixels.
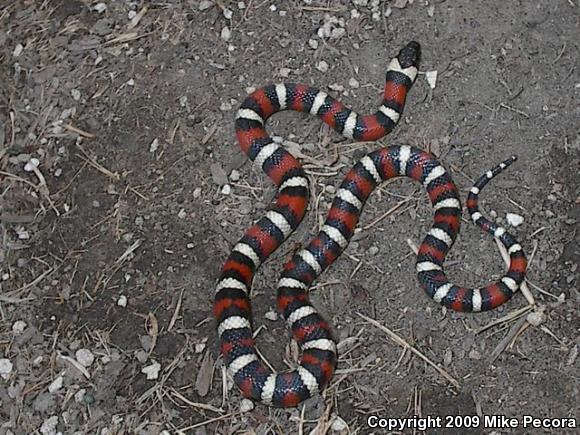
[
  {"x": 225, "y": 106},
  {"x": 100, "y": 7},
  {"x": 322, "y": 66},
  {"x": 373, "y": 250},
  {"x": 235, "y": 175},
  {"x": 514, "y": 219},
  {"x": 271, "y": 315},
  {"x": 32, "y": 164},
  {"x": 49, "y": 426},
  {"x": 431, "y": 77},
  {"x": 5, "y": 368},
  {"x": 285, "y": 72},
  {"x": 85, "y": 357},
  {"x": 227, "y": 189},
  {"x": 226, "y": 34},
  {"x": 122, "y": 301},
  {"x": 152, "y": 371},
  {"x": 313, "y": 43},
  {"x": 200, "y": 347},
  {"x": 142, "y": 356},
  {"x": 18, "y": 50},
  {"x": 22, "y": 233},
  {"x": 76, "y": 94},
  {"x": 353, "y": 83},
  {"x": 400, "y": 4},
  {"x": 246, "y": 405},
  {"x": 228, "y": 14},
  {"x": 18, "y": 327},
  {"x": 56, "y": 385},
  {"x": 154, "y": 145},
  {"x": 338, "y": 424},
  {"x": 197, "y": 192}
]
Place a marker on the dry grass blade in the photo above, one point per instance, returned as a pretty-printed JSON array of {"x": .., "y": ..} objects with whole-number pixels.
[
  {"x": 511, "y": 316},
  {"x": 514, "y": 332},
  {"x": 99, "y": 167},
  {"x": 401, "y": 342},
  {"x": 387, "y": 213}
]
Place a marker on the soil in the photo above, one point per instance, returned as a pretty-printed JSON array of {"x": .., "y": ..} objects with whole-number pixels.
[{"x": 123, "y": 191}]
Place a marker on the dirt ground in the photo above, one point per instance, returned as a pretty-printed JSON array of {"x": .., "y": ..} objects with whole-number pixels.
[{"x": 123, "y": 191}]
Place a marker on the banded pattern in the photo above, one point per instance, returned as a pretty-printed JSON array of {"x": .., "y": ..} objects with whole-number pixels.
[
  {"x": 430, "y": 260},
  {"x": 232, "y": 307}
]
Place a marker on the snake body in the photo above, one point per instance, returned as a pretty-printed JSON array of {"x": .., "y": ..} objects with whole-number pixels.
[{"x": 232, "y": 308}]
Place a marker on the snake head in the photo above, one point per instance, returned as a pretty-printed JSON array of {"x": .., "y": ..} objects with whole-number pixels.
[{"x": 410, "y": 55}]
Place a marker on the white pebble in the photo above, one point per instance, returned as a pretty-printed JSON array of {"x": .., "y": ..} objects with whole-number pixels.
[
  {"x": 235, "y": 175},
  {"x": 241, "y": 5},
  {"x": 431, "y": 77},
  {"x": 271, "y": 315},
  {"x": 246, "y": 405},
  {"x": 225, "y": 106},
  {"x": 5, "y": 368},
  {"x": 19, "y": 326},
  {"x": 17, "y": 50},
  {"x": 100, "y": 7},
  {"x": 353, "y": 83},
  {"x": 22, "y": 233},
  {"x": 76, "y": 94},
  {"x": 514, "y": 219},
  {"x": 226, "y": 34},
  {"x": 122, "y": 301},
  {"x": 354, "y": 13},
  {"x": 285, "y": 72},
  {"x": 197, "y": 192},
  {"x": 132, "y": 14},
  {"x": 182, "y": 214},
  {"x": 228, "y": 14},
  {"x": 49, "y": 426},
  {"x": 322, "y": 66},
  {"x": 330, "y": 189},
  {"x": 273, "y": 8},
  {"x": 227, "y": 189},
  {"x": 85, "y": 357},
  {"x": 32, "y": 164},
  {"x": 56, "y": 385},
  {"x": 200, "y": 347},
  {"x": 338, "y": 424},
  {"x": 131, "y": 82},
  {"x": 313, "y": 43},
  {"x": 154, "y": 145},
  {"x": 152, "y": 371}
]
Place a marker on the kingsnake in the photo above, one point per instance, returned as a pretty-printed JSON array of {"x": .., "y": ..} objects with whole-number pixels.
[{"x": 232, "y": 308}]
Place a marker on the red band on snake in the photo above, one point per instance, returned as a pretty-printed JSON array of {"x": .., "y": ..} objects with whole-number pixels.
[{"x": 232, "y": 308}]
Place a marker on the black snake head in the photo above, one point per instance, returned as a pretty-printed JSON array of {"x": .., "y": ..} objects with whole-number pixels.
[{"x": 410, "y": 55}]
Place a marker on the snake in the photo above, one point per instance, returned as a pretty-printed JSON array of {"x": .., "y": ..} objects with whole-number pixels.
[{"x": 318, "y": 349}]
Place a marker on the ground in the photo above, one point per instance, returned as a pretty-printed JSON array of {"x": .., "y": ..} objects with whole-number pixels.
[{"x": 123, "y": 191}]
